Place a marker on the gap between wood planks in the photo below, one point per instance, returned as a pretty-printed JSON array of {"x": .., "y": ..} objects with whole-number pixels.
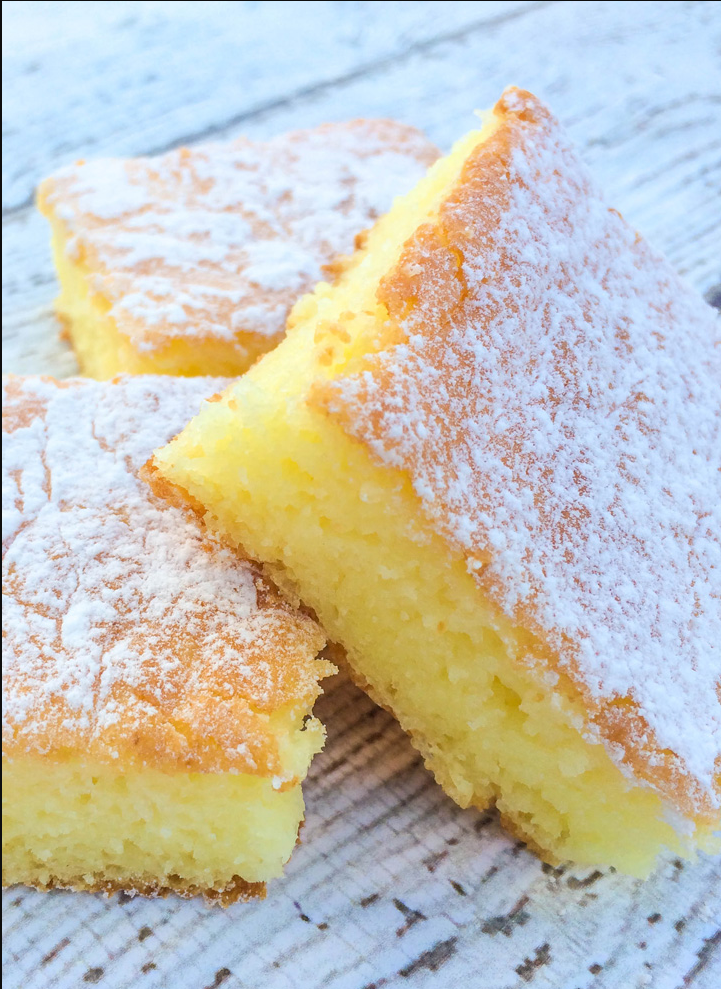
[
  {"x": 367, "y": 68},
  {"x": 416, "y": 48}
]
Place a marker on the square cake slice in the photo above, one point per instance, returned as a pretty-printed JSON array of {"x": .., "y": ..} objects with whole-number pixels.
[
  {"x": 189, "y": 263},
  {"x": 157, "y": 692},
  {"x": 488, "y": 458}
]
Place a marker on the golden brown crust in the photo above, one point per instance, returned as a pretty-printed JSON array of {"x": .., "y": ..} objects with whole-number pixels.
[
  {"x": 235, "y": 891},
  {"x": 233, "y": 233},
  {"x": 174, "y": 494},
  {"x": 171, "y": 651},
  {"x": 428, "y": 290}
]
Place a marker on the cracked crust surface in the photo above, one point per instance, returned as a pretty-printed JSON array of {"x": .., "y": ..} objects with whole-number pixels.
[
  {"x": 215, "y": 243},
  {"x": 128, "y": 632}
]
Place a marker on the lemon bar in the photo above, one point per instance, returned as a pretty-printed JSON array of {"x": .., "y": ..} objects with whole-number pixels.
[
  {"x": 157, "y": 692},
  {"x": 188, "y": 263},
  {"x": 487, "y": 457}
]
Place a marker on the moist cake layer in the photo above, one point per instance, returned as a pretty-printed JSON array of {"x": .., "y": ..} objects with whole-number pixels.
[
  {"x": 189, "y": 263},
  {"x": 112, "y": 828},
  {"x": 488, "y": 458},
  {"x": 151, "y": 676}
]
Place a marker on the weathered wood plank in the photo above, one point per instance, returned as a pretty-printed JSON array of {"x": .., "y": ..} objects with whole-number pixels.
[{"x": 138, "y": 78}]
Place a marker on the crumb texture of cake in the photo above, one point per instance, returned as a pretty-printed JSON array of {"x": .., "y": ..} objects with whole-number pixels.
[
  {"x": 189, "y": 263},
  {"x": 157, "y": 691},
  {"x": 488, "y": 458}
]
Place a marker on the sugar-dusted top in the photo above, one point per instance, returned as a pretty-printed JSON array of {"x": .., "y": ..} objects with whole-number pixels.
[
  {"x": 127, "y": 631},
  {"x": 220, "y": 240},
  {"x": 556, "y": 400}
]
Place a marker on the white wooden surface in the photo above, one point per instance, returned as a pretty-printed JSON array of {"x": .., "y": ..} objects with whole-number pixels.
[{"x": 393, "y": 885}]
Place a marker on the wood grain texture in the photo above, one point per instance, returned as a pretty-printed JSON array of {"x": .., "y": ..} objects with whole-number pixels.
[{"x": 393, "y": 885}]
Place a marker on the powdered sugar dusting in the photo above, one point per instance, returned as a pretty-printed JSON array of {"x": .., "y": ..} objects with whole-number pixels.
[
  {"x": 221, "y": 239},
  {"x": 124, "y": 626},
  {"x": 557, "y": 403}
]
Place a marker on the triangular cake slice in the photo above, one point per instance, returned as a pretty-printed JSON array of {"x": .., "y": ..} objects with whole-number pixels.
[
  {"x": 188, "y": 263},
  {"x": 157, "y": 692},
  {"x": 488, "y": 458}
]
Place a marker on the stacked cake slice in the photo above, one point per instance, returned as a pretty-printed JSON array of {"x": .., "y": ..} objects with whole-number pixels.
[
  {"x": 488, "y": 458},
  {"x": 189, "y": 263},
  {"x": 157, "y": 692}
]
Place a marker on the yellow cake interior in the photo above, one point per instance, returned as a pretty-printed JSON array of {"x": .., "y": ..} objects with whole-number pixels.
[
  {"x": 83, "y": 823},
  {"x": 103, "y": 351},
  {"x": 347, "y": 537}
]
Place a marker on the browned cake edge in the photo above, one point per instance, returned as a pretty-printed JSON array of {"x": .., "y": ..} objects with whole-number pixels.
[
  {"x": 170, "y": 492},
  {"x": 235, "y": 891}
]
